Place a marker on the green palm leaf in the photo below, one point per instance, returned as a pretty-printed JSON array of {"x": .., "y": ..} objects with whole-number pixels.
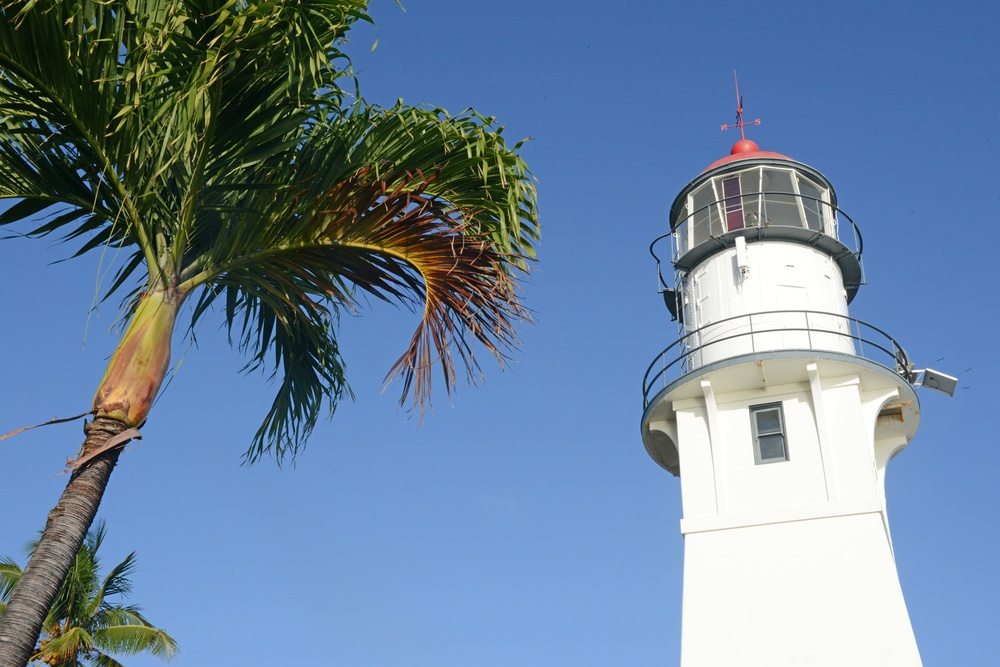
[
  {"x": 10, "y": 573},
  {"x": 69, "y": 645},
  {"x": 103, "y": 660},
  {"x": 135, "y": 638}
]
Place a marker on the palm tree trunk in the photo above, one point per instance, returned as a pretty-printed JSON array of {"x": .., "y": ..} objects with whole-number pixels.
[
  {"x": 123, "y": 400},
  {"x": 65, "y": 530}
]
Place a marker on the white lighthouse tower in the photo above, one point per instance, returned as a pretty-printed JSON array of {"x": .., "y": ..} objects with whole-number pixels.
[{"x": 779, "y": 412}]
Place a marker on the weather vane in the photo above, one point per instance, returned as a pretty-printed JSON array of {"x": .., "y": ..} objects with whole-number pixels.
[{"x": 739, "y": 111}]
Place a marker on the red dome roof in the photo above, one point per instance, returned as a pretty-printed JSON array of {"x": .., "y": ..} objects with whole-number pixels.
[{"x": 744, "y": 149}]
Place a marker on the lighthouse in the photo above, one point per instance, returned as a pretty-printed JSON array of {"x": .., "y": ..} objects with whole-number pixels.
[{"x": 779, "y": 412}]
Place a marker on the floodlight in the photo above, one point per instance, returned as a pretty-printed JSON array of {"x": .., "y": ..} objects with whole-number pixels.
[{"x": 939, "y": 381}]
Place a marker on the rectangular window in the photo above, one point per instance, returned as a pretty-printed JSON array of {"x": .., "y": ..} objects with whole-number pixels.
[{"x": 768, "y": 423}]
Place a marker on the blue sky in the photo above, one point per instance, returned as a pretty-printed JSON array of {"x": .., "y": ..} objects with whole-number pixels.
[{"x": 523, "y": 523}]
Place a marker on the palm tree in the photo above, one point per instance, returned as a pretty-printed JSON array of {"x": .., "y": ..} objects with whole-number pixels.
[
  {"x": 210, "y": 143},
  {"x": 83, "y": 626}
]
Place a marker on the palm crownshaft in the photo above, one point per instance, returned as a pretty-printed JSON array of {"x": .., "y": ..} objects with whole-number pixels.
[{"x": 211, "y": 142}]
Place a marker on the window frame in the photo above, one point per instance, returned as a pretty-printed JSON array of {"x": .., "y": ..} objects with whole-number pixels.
[{"x": 754, "y": 410}]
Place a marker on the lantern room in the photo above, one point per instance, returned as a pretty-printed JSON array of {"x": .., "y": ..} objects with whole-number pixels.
[{"x": 758, "y": 195}]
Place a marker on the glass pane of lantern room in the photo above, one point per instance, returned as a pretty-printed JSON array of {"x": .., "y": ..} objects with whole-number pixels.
[
  {"x": 811, "y": 203},
  {"x": 750, "y": 184},
  {"x": 682, "y": 235},
  {"x": 780, "y": 205},
  {"x": 705, "y": 220},
  {"x": 734, "y": 203}
]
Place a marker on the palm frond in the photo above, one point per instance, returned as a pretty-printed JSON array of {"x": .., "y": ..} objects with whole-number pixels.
[
  {"x": 408, "y": 245},
  {"x": 409, "y": 205},
  {"x": 476, "y": 173},
  {"x": 118, "y": 114},
  {"x": 105, "y": 660},
  {"x": 57, "y": 73},
  {"x": 209, "y": 141},
  {"x": 135, "y": 637},
  {"x": 117, "y": 581},
  {"x": 72, "y": 642},
  {"x": 10, "y": 573},
  {"x": 281, "y": 328}
]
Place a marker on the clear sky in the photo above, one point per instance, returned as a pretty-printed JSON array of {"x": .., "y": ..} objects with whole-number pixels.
[{"x": 523, "y": 523}]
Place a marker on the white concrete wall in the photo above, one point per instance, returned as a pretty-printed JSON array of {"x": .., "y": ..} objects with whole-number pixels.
[
  {"x": 789, "y": 563},
  {"x": 777, "y": 276},
  {"x": 812, "y": 593}
]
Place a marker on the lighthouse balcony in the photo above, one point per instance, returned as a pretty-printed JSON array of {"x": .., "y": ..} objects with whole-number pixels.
[
  {"x": 708, "y": 231},
  {"x": 774, "y": 333}
]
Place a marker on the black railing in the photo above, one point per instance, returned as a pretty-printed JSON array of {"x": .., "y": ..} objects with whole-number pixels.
[{"x": 886, "y": 349}]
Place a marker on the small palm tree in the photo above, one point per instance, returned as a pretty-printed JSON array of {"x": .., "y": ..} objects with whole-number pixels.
[
  {"x": 84, "y": 626},
  {"x": 209, "y": 144}
]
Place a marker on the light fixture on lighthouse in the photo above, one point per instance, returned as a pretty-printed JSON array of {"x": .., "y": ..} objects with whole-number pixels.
[{"x": 938, "y": 381}]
